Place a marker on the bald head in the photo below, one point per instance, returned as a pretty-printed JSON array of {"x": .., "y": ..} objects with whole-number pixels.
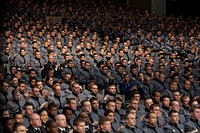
[
  {"x": 35, "y": 120},
  {"x": 61, "y": 120}
]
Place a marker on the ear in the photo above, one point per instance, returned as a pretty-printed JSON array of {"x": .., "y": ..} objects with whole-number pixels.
[
  {"x": 75, "y": 127},
  {"x": 101, "y": 126},
  {"x": 48, "y": 129}
]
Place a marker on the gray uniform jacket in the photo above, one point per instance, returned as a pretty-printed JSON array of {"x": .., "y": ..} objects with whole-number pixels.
[
  {"x": 15, "y": 106},
  {"x": 22, "y": 61},
  {"x": 59, "y": 101},
  {"x": 36, "y": 102},
  {"x": 192, "y": 125},
  {"x": 37, "y": 64},
  {"x": 128, "y": 129},
  {"x": 150, "y": 129},
  {"x": 173, "y": 128}
]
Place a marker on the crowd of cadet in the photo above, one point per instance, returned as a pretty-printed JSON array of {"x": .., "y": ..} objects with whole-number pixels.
[{"x": 101, "y": 69}]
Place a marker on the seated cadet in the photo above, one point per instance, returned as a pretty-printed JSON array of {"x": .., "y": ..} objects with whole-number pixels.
[
  {"x": 95, "y": 107},
  {"x": 58, "y": 98},
  {"x": 79, "y": 125},
  {"x": 15, "y": 105},
  {"x": 67, "y": 111},
  {"x": 36, "y": 100},
  {"x": 114, "y": 124},
  {"x": 118, "y": 107},
  {"x": 130, "y": 127},
  {"x": 51, "y": 126},
  {"x": 193, "y": 125},
  {"x": 104, "y": 125},
  {"x": 152, "y": 126},
  {"x": 112, "y": 93},
  {"x": 86, "y": 107},
  {"x": 18, "y": 118},
  {"x": 90, "y": 127},
  {"x": 174, "y": 126},
  {"x": 111, "y": 105},
  {"x": 174, "y": 105},
  {"x": 93, "y": 91},
  {"x": 155, "y": 108},
  {"x": 52, "y": 111},
  {"x": 28, "y": 111},
  {"x": 19, "y": 128}
]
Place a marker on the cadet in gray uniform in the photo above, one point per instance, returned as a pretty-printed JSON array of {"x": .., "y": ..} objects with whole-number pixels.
[
  {"x": 173, "y": 126},
  {"x": 152, "y": 126},
  {"x": 130, "y": 127},
  {"x": 194, "y": 123}
]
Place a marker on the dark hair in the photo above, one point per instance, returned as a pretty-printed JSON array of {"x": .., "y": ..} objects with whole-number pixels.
[
  {"x": 51, "y": 105},
  {"x": 16, "y": 125},
  {"x": 171, "y": 112},
  {"x": 15, "y": 114},
  {"x": 78, "y": 120},
  {"x": 107, "y": 112},
  {"x": 65, "y": 109},
  {"x": 49, "y": 123},
  {"x": 103, "y": 120}
]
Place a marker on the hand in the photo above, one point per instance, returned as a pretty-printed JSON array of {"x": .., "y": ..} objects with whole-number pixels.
[
  {"x": 45, "y": 94},
  {"x": 134, "y": 88},
  {"x": 44, "y": 105}
]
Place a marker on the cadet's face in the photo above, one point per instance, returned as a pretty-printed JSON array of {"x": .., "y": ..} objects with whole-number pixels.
[
  {"x": 19, "y": 118},
  {"x": 196, "y": 114},
  {"x": 106, "y": 126},
  {"x": 87, "y": 107},
  {"x": 111, "y": 106},
  {"x": 131, "y": 121},
  {"x": 80, "y": 127},
  {"x": 111, "y": 117},
  {"x": 95, "y": 104},
  {"x": 53, "y": 128},
  {"x": 174, "y": 118},
  {"x": 153, "y": 119},
  {"x": 94, "y": 89},
  {"x": 166, "y": 102}
]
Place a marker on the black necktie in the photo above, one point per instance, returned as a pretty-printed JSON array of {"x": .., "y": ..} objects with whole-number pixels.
[
  {"x": 19, "y": 106},
  {"x": 39, "y": 62},
  {"x": 60, "y": 104}
]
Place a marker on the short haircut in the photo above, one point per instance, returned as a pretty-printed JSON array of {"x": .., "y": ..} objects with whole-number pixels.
[
  {"x": 126, "y": 116},
  {"x": 16, "y": 125},
  {"x": 70, "y": 99},
  {"x": 117, "y": 99},
  {"x": 77, "y": 121},
  {"x": 93, "y": 99},
  {"x": 107, "y": 112},
  {"x": 163, "y": 97},
  {"x": 128, "y": 109},
  {"x": 109, "y": 101},
  {"x": 51, "y": 105},
  {"x": 14, "y": 91},
  {"x": 103, "y": 120},
  {"x": 15, "y": 114},
  {"x": 153, "y": 106},
  {"x": 171, "y": 112},
  {"x": 27, "y": 104},
  {"x": 147, "y": 116},
  {"x": 49, "y": 123},
  {"x": 192, "y": 109},
  {"x": 82, "y": 103},
  {"x": 65, "y": 109}
]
